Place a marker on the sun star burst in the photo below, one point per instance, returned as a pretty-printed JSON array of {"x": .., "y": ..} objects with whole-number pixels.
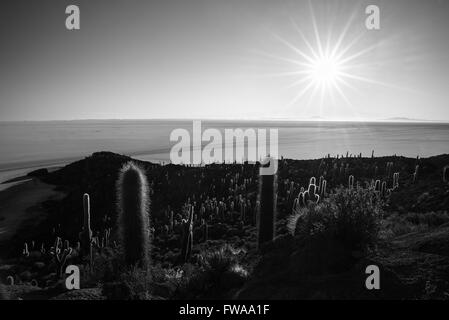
[{"x": 326, "y": 68}]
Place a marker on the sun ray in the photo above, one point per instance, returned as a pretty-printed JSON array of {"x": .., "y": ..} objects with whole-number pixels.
[
  {"x": 329, "y": 64},
  {"x": 315, "y": 30},
  {"x": 309, "y": 46},
  {"x": 288, "y": 44}
]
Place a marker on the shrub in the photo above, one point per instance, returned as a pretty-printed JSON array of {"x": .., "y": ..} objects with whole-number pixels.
[
  {"x": 345, "y": 225},
  {"x": 218, "y": 273},
  {"x": 133, "y": 284}
]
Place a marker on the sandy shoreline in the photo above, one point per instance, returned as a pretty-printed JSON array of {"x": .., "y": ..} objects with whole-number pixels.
[{"x": 20, "y": 202}]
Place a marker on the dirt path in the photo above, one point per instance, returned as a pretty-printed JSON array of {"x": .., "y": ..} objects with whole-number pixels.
[{"x": 15, "y": 201}]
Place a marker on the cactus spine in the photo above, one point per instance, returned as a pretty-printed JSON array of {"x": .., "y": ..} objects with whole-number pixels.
[
  {"x": 267, "y": 208},
  {"x": 133, "y": 202}
]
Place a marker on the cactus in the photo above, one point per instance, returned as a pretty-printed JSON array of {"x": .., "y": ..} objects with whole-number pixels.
[
  {"x": 395, "y": 180},
  {"x": 383, "y": 189},
  {"x": 323, "y": 188},
  {"x": 415, "y": 174},
  {"x": 187, "y": 239},
  {"x": 446, "y": 174},
  {"x": 320, "y": 183},
  {"x": 377, "y": 186},
  {"x": 351, "y": 182},
  {"x": 171, "y": 224},
  {"x": 85, "y": 236},
  {"x": 132, "y": 207},
  {"x": 25, "y": 251},
  {"x": 267, "y": 208},
  {"x": 313, "y": 196}
]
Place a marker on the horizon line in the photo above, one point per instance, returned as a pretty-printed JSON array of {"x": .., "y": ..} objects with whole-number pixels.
[{"x": 387, "y": 120}]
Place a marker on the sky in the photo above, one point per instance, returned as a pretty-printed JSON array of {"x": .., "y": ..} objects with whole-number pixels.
[{"x": 233, "y": 59}]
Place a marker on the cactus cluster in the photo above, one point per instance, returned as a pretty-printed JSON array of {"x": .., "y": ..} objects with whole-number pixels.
[
  {"x": 132, "y": 207},
  {"x": 61, "y": 252},
  {"x": 313, "y": 194}
]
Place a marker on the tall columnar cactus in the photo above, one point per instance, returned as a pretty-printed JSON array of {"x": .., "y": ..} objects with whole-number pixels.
[
  {"x": 133, "y": 209},
  {"x": 395, "y": 180},
  {"x": 25, "y": 252},
  {"x": 383, "y": 189},
  {"x": 187, "y": 238},
  {"x": 85, "y": 236},
  {"x": 377, "y": 186},
  {"x": 267, "y": 208},
  {"x": 415, "y": 174},
  {"x": 320, "y": 183},
  {"x": 171, "y": 224},
  {"x": 351, "y": 182},
  {"x": 323, "y": 188},
  {"x": 446, "y": 174}
]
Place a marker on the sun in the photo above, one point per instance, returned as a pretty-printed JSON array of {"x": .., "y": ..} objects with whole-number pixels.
[
  {"x": 325, "y": 70},
  {"x": 324, "y": 66}
]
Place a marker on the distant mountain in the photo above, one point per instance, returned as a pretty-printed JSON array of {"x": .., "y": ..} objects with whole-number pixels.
[{"x": 405, "y": 119}]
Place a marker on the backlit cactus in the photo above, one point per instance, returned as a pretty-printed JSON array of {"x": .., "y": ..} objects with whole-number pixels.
[
  {"x": 383, "y": 189},
  {"x": 187, "y": 238},
  {"x": 395, "y": 180},
  {"x": 320, "y": 184},
  {"x": 351, "y": 182},
  {"x": 267, "y": 208},
  {"x": 377, "y": 186},
  {"x": 323, "y": 188},
  {"x": 25, "y": 251},
  {"x": 415, "y": 174},
  {"x": 60, "y": 254},
  {"x": 85, "y": 236},
  {"x": 446, "y": 174},
  {"x": 132, "y": 207}
]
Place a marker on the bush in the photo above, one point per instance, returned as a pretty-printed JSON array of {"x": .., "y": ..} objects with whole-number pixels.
[
  {"x": 218, "y": 273},
  {"x": 339, "y": 230},
  {"x": 132, "y": 285}
]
